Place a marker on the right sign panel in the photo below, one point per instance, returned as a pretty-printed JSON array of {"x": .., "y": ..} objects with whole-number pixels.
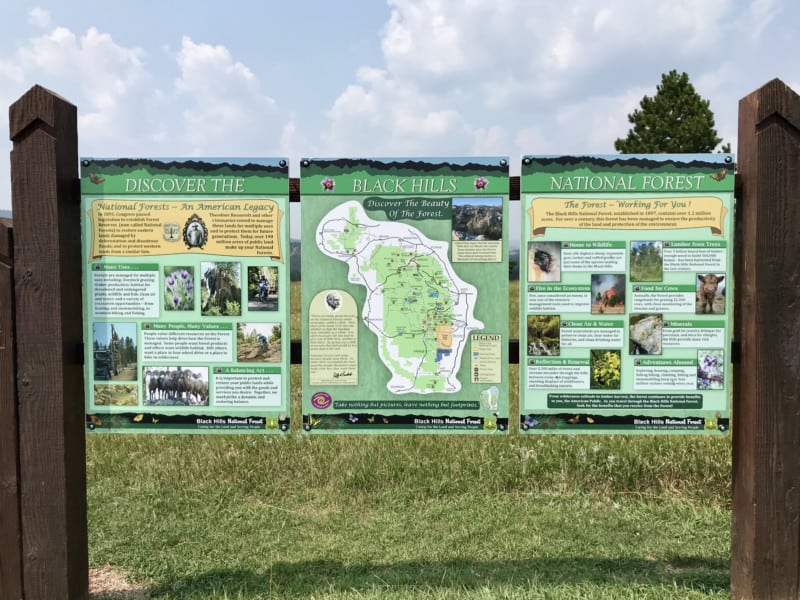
[{"x": 626, "y": 293}]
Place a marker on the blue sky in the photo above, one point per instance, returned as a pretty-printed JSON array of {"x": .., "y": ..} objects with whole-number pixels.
[{"x": 371, "y": 78}]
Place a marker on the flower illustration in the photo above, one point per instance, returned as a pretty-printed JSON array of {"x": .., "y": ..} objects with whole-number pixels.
[
  {"x": 481, "y": 183},
  {"x": 178, "y": 288},
  {"x": 328, "y": 184}
]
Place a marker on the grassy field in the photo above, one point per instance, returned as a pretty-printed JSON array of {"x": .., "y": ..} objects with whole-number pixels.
[{"x": 412, "y": 517}]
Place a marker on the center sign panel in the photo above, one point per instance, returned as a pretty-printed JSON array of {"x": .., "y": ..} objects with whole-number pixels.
[
  {"x": 405, "y": 295},
  {"x": 626, "y": 296}
]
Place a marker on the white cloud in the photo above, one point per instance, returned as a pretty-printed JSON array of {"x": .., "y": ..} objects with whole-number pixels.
[
  {"x": 760, "y": 14},
  {"x": 219, "y": 105},
  {"x": 380, "y": 114},
  {"x": 453, "y": 77},
  {"x": 532, "y": 140},
  {"x": 11, "y": 74},
  {"x": 215, "y": 107},
  {"x": 546, "y": 77},
  {"x": 39, "y": 18},
  {"x": 226, "y": 109},
  {"x": 295, "y": 144},
  {"x": 594, "y": 123},
  {"x": 556, "y": 48},
  {"x": 108, "y": 82},
  {"x": 491, "y": 141},
  {"x": 203, "y": 67}
]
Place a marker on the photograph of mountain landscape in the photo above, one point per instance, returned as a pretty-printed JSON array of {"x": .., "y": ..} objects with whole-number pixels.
[{"x": 477, "y": 219}]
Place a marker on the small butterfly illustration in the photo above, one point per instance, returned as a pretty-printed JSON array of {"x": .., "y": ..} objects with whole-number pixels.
[
  {"x": 352, "y": 418},
  {"x": 575, "y": 419},
  {"x": 96, "y": 420},
  {"x": 720, "y": 175},
  {"x": 385, "y": 420},
  {"x": 96, "y": 178},
  {"x": 154, "y": 420},
  {"x": 312, "y": 421},
  {"x": 138, "y": 417},
  {"x": 589, "y": 420},
  {"x": 371, "y": 419}
]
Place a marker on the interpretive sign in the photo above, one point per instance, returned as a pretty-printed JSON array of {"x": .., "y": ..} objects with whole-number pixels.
[
  {"x": 405, "y": 295},
  {"x": 186, "y": 295},
  {"x": 626, "y": 295}
]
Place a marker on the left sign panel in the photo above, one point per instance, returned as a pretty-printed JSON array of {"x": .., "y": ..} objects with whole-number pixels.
[{"x": 186, "y": 295}]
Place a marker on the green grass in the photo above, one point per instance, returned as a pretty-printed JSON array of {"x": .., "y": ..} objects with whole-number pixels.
[
  {"x": 413, "y": 517},
  {"x": 294, "y": 320}
]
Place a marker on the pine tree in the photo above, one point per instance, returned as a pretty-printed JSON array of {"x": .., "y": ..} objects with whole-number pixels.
[{"x": 675, "y": 120}]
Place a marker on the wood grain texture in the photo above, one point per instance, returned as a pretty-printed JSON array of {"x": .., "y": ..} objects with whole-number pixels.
[
  {"x": 765, "y": 561},
  {"x": 47, "y": 280},
  {"x": 10, "y": 525}
]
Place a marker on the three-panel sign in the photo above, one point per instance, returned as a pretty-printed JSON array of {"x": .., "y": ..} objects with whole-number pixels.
[{"x": 625, "y": 295}]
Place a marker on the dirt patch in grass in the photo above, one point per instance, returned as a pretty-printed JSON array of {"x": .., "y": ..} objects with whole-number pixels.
[{"x": 108, "y": 583}]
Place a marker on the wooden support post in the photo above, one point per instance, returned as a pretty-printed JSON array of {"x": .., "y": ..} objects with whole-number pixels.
[
  {"x": 47, "y": 279},
  {"x": 765, "y": 561},
  {"x": 10, "y": 505}
]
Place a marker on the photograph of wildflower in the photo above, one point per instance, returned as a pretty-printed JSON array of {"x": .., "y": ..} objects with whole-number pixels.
[
  {"x": 710, "y": 370},
  {"x": 606, "y": 370},
  {"x": 178, "y": 288}
]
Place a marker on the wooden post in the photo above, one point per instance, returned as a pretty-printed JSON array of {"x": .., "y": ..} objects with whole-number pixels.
[
  {"x": 10, "y": 505},
  {"x": 47, "y": 279},
  {"x": 765, "y": 561}
]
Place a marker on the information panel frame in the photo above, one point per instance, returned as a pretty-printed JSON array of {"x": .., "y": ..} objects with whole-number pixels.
[
  {"x": 626, "y": 293},
  {"x": 186, "y": 294},
  {"x": 404, "y": 301}
]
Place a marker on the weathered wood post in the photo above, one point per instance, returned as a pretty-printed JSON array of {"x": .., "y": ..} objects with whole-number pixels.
[
  {"x": 765, "y": 561},
  {"x": 10, "y": 505},
  {"x": 48, "y": 335}
]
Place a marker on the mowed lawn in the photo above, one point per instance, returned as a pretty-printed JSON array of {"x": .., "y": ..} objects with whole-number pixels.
[{"x": 411, "y": 516}]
